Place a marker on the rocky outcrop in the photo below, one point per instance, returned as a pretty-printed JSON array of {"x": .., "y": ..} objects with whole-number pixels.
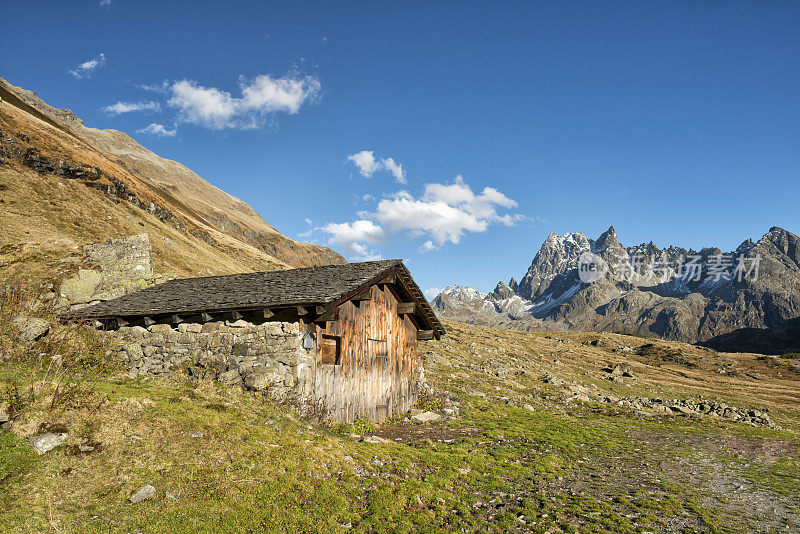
[
  {"x": 672, "y": 293},
  {"x": 124, "y": 265},
  {"x": 691, "y": 407}
]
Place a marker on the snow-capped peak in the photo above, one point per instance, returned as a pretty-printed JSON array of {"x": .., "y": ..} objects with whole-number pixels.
[{"x": 463, "y": 293}]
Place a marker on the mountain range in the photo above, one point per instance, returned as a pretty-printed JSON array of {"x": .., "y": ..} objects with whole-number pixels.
[
  {"x": 63, "y": 184},
  {"x": 576, "y": 283}
]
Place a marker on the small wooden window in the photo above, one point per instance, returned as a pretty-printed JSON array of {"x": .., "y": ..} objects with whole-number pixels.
[{"x": 331, "y": 349}]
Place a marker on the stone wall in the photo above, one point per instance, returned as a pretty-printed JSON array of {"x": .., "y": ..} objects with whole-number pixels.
[{"x": 265, "y": 357}]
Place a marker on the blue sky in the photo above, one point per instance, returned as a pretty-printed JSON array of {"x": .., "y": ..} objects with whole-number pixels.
[{"x": 490, "y": 124}]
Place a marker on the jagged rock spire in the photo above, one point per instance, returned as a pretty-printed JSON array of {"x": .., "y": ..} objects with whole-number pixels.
[{"x": 513, "y": 284}]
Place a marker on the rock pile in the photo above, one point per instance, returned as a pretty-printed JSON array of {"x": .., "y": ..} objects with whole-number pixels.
[{"x": 703, "y": 407}]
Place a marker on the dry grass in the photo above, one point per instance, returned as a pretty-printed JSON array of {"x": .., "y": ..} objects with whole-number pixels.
[
  {"x": 46, "y": 221},
  {"x": 685, "y": 372}
]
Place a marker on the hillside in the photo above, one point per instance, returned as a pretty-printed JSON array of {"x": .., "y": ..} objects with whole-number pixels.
[
  {"x": 63, "y": 184},
  {"x": 672, "y": 293},
  {"x": 547, "y": 438}
]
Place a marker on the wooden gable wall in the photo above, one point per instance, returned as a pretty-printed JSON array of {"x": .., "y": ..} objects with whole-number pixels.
[{"x": 378, "y": 367}]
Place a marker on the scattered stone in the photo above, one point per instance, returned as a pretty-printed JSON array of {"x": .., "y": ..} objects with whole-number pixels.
[
  {"x": 171, "y": 496},
  {"x": 426, "y": 417},
  {"x": 550, "y": 379},
  {"x": 47, "y": 441},
  {"x": 30, "y": 328},
  {"x": 376, "y": 439},
  {"x": 689, "y": 407},
  {"x": 682, "y": 410},
  {"x": 528, "y": 407},
  {"x": 197, "y": 434},
  {"x": 145, "y": 492},
  {"x": 622, "y": 369}
]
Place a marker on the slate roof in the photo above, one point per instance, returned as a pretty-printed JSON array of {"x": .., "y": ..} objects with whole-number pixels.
[{"x": 309, "y": 286}]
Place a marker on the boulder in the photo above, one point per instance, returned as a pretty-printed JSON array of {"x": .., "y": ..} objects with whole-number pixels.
[
  {"x": 124, "y": 259},
  {"x": 30, "y": 328},
  {"x": 426, "y": 417},
  {"x": 683, "y": 410},
  {"x": 376, "y": 439},
  {"x": 47, "y": 441},
  {"x": 81, "y": 288},
  {"x": 230, "y": 378},
  {"x": 264, "y": 378},
  {"x": 622, "y": 369},
  {"x": 550, "y": 379},
  {"x": 145, "y": 492}
]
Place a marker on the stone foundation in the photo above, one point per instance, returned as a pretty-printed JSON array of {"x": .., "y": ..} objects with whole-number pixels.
[{"x": 265, "y": 357}]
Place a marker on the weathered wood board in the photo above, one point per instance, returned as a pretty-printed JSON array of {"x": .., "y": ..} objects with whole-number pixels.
[{"x": 378, "y": 365}]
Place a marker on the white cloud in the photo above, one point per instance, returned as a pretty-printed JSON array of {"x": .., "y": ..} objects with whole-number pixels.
[
  {"x": 396, "y": 169},
  {"x": 104, "y": 3},
  {"x": 427, "y": 246},
  {"x": 162, "y": 87},
  {"x": 217, "y": 109},
  {"x": 127, "y": 107},
  {"x": 158, "y": 129},
  {"x": 365, "y": 161},
  {"x": 267, "y": 95},
  {"x": 368, "y": 165},
  {"x": 432, "y": 292},
  {"x": 355, "y": 238},
  {"x": 85, "y": 69},
  {"x": 201, "y": 105},
  {"x": 444, "y": 213}
]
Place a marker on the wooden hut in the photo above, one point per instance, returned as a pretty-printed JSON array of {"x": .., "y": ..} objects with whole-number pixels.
[{"x": 361, "y": 321}]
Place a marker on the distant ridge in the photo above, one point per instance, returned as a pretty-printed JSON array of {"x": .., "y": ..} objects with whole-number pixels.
[{"x": 660, "y": 299}]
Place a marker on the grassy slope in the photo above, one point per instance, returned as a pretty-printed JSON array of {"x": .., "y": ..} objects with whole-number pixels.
[
  {"x": 27, "y": 123},
  {"x": 47, "y": 219},
  {"x": 238, "y": 462}
]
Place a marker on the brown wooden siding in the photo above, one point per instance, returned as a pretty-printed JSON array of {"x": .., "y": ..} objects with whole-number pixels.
[{"x": 379, "y": 367}]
